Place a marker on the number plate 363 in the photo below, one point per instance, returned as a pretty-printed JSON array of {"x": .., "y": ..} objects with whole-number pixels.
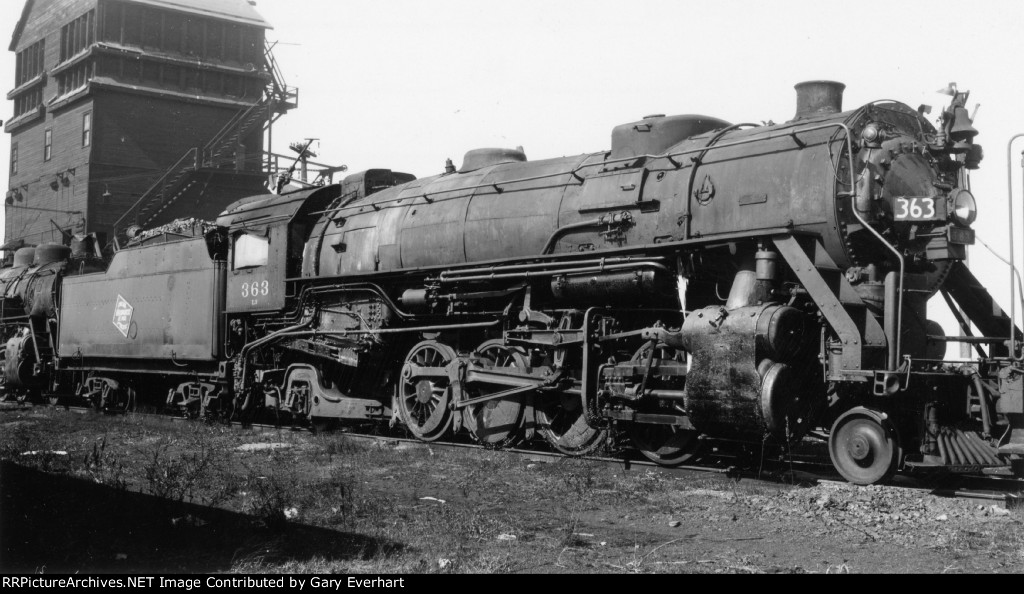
[{"x": 915, "y": 208}]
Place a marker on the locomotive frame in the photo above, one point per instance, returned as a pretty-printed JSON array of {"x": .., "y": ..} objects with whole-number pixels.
[{"x": 572, "y": 298}]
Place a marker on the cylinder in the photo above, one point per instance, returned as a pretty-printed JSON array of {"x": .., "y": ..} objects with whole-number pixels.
[
  {"x": 781, "y": 332},
  {"x": 818, "y": 97}
]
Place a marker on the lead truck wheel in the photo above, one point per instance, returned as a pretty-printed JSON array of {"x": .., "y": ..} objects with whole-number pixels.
[{"x": 864, "y": 446}]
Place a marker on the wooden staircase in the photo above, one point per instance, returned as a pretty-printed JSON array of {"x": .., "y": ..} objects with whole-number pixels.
[
  {"x": 179, "y": 178},
  {"x": 226, "y": 141}
]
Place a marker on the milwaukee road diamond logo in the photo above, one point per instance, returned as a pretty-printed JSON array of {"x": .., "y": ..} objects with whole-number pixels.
[{"x": 123, "y": 315}]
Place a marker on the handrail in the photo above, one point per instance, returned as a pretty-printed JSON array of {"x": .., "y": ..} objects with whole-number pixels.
[
  {"x": 687, "y": 216},
  {"x": 1009, "y": 204},
  {"x": 575, "y": 172},
  {"x": 226, "y": 129},
  {"x": 275, "y": 72},
  {"x": 233, "y": 125},
  {"x": 192, "y": 153},
  {"x": 899, "y": 257},
  {"x": 279, "y": 89},
  {"x": 204, "y": 155},
  {"x": 292, "y": 158}
]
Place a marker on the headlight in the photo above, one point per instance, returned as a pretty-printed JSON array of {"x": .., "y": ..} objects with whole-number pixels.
[{"x": 965, "y": 208}]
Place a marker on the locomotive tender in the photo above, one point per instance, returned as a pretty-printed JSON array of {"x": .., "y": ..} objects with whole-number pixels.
[{"x": 701, "y": 280}]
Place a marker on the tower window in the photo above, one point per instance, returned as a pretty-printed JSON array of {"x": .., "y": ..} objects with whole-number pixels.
[
  {"x": 47, "y": 144},
  {"x": 87, "y": 128},
  {"x": 29, "y": 63},
  {"x": 14, "y": 159},
  {"x": 76, "y": 36}
]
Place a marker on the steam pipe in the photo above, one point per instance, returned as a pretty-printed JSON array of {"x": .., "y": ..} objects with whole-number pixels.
[
  {"x": 972, "y": 449},
  {"x": 969, "y": 454},
  {"x": 889, "y": 317},
  {"x": 894, "y": 354},
  {"x": 454, "y": 275},
  {"x": 565, "y": 271},
  {"x": 437, "y": 328},
  {"x": 943, "y": 452},
  {"x": 955, "y": 447}
]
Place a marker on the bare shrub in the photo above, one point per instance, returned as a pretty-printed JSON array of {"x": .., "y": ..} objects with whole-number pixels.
[
  {"x": 177, "y": 478},
  {"x": 104, "y": 466}
]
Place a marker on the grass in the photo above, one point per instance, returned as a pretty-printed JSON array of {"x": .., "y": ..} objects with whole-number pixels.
[{"x": 188, "y": 496}]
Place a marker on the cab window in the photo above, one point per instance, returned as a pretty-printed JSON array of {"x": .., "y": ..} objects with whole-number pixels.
[{"x": 250, "y": 251}]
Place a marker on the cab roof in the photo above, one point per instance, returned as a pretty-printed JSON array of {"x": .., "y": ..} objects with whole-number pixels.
[{"x": 260, "y": 211}]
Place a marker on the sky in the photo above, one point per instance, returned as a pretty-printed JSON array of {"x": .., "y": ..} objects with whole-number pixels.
[{"x": 406, "y": 84}]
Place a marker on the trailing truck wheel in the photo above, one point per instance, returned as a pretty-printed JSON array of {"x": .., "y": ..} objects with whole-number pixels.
[
  {"x": 864, "y": 446},
  {"x": 424, "y": 391},
  {"x": 498, "y": 422}
]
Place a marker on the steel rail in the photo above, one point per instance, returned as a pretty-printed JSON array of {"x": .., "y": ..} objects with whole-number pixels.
[
  {"x": 999, "y": 488},
  {"x": 802, "y": 466}
]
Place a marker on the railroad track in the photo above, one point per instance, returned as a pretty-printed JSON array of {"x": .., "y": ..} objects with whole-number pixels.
[
  {"x": 803, "y": 472},
  {"x": 797, "y": 468}
]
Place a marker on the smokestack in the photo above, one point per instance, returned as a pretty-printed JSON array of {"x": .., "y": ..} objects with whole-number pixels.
[{"x": 817, "y": 98}]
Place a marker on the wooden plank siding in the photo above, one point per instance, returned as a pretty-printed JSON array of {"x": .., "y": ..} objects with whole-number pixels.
[
  {"x": 34, "y": 173},
  {"x": 142, "y": 121},
  {"x": 152, "y": 132}
]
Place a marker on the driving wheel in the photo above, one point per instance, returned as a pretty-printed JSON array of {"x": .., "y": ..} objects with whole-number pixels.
[
  {"x": 667, "y": 445},
  {"x": 497, "y": 422},
  {"x": 424, "y": 392}
]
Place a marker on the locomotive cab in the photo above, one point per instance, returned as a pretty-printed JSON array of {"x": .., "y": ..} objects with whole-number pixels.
[{"x": 267, "y": 235}]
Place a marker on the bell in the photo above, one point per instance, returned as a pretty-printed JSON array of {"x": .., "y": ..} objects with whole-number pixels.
[{"x": 961, "y": 130}]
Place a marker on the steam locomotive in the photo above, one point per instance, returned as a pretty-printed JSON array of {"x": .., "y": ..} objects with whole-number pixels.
[{"x": 699, "y": 281}]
